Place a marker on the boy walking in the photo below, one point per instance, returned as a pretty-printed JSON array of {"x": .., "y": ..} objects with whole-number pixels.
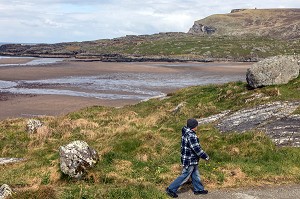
[{"x": 191, "y": 152}]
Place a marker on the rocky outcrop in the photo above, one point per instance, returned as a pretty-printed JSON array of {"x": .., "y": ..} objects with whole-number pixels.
[
  {"x": 213, "y": 118},
  {"x": 5, "y": 191},
  {"x": 237, "y": 10},
  {"x": 285, "y": 131},
  {"x": 275, "y": 119},
  {"x": 200, "y": 28},
  {"x": 248, "y": 119},
  {"x": 272, "y": 71},
  {"x": 275, "y": 23},
  {"x": 76, "y": 158}
]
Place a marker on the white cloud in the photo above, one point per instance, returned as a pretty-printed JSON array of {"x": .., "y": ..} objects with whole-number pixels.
[{"x": 77, "y": 20}]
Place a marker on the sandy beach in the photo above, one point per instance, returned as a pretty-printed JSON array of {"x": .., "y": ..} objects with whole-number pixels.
[
  {"x": 15, "y": 60},
  {"x": 30, "y": 105}
]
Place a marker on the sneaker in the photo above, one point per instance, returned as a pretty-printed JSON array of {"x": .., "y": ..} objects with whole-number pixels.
[
  {"x": 200, "y": 192},
  {"x": 171, "y": 193}
]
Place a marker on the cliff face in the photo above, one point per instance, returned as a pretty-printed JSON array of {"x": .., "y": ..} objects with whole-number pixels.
[{"x": 276, "y": 23}]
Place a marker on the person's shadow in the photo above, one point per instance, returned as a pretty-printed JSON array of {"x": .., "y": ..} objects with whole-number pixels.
[{"x": 186, "y": 187}]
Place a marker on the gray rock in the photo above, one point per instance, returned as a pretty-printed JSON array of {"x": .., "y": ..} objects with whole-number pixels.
[
  {"x": 273, "y": 71},
  {"x": 200, "y": 28},
  {"x": 213, "y": 118},
  {"x": 275, "y": 119},
  {"x": 248, "y": 119},
  {"x": 76, "y": 158},
  {"x": 178, "y": 107},
  {"x": 237, "y": 10},
  {"x": 285, "y": 131},
  {"x": 5, "y": 191},
  {"x": 10, "y": 160},
  {"x": 33, "y": 125}
]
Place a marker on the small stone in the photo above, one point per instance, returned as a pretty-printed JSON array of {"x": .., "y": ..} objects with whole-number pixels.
[
  {"x": 5, "y": 191},
  {"x": 33, "y": 125},
  {"x": 10, "y": 160},
  {"x": 178, "y": 107}
]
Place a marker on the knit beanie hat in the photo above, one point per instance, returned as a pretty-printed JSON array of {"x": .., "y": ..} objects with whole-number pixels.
[{"x": 192, "y": 123}]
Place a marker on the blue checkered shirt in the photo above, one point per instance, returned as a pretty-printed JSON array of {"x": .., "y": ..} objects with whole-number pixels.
[{"x": 191, "y": 150}]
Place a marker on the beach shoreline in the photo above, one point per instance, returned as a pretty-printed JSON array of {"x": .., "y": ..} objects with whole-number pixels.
[{"x": 32, "y": 105}]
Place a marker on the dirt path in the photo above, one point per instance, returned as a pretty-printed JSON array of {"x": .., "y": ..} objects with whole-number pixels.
[{"x": 266, "y": 192}]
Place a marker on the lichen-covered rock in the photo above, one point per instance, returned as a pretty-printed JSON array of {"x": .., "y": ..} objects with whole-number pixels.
[
  {"x": 76, "y": 158},
  {"x": 5, "y": 191},
  {"x": 33, "y": 125},
  {"x": 273, "y": 71}
]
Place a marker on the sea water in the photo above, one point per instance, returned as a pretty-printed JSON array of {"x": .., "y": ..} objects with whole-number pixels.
[
  {"x": 34, "y": 62},
  {"x": 120, "y": 85}
]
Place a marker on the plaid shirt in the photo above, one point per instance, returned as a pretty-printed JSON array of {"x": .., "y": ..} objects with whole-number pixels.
[{"x": 191, "y": 150}]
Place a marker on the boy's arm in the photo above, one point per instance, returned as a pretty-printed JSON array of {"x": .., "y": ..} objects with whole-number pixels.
[{"x": 195, "y": 146}]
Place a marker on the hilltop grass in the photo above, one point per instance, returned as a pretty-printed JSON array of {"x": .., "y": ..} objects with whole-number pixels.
[{"x": 139, "y": 147}]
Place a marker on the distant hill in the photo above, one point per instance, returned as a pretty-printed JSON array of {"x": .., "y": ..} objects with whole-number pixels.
[
  {"x": 275, "y": 23},
  {"x": 242, "y": 35}
]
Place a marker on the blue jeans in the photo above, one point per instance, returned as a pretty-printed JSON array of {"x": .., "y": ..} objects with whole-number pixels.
[{"x": 193, "y": 171}]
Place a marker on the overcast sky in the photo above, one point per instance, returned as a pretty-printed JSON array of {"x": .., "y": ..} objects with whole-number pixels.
[{"x": 52, "y": 21}]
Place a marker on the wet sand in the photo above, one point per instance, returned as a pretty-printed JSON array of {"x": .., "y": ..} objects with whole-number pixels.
[
  {"x": 50, "y": 105},
  {"x": 70, "y": 68},
  {"x": 18, "y": 105},
  {"x": 15, "y": 60}
]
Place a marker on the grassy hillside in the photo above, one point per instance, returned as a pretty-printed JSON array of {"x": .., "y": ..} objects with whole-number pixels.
[
  {"x": 166, "y": 45},
  {"x": 139, "y": 147},
  {"x": 197, "y": 46}
]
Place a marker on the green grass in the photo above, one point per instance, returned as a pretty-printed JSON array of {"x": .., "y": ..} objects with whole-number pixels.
[{"x": 139, "y": 147}]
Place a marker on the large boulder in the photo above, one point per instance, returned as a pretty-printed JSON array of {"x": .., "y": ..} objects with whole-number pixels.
[
  {"x": 273, "y": 71},
  {"x": 76, "y": 158},
  {"x": 5, "y": 191}
]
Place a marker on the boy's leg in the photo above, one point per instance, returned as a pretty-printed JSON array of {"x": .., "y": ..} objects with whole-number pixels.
[
  {"x": 198, "y": 186},
  {"x": 180, "y": 180}
]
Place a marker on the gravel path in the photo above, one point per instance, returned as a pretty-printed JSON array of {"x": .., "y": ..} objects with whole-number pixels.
[{"x": 267, "y": 192}]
